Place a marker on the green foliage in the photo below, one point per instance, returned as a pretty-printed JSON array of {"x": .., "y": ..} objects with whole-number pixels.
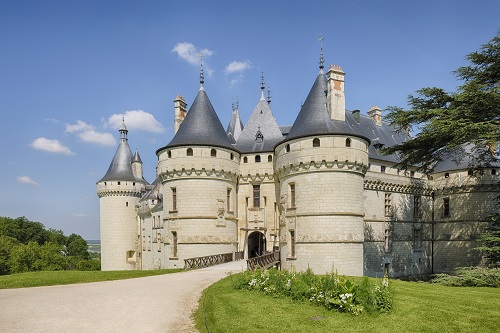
[
  {"x": 331, "y": 291},
  {"x": 448, "y": 121},
  {"x": 26, "y": 246},
  {"x": 470, "y": 277},
  {"x": 489, "y": 241}
]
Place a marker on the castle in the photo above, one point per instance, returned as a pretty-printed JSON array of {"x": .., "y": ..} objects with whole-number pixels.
[{"x": 319, "y": 192}]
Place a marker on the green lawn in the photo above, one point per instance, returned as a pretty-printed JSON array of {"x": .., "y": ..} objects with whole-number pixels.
[
  {"x": 418, "y": 307},
  {"x": 37, "y": 279}
]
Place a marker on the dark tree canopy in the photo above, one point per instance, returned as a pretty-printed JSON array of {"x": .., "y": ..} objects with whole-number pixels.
[{"x": 449, "y": 121}]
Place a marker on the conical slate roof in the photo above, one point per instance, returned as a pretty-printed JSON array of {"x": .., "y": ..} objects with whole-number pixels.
[
  {"x": 137, "y": 157},
  {"x": 261, "y": 132},
  {"x": 313, "y": 118},
  {"x": 201, "y": 127},
  {"x": 120, "y": 167},
  {"x": 235, "y": 126}
]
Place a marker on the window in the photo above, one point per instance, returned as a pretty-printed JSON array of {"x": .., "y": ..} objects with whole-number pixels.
[
  {"x": 257, "y": 158},
  {"x": 416, "y": 207},
  {"x": 118, "y": 183},
  {"x": 417, "y": 239},
  {"x": 316, "y": 142},
  {"x": 447, "y": 175},
  {"x": 270, "y": 158},
  {"x": 382, "y": 168},
  {"x": 412, "y": 174},
  {"x": 470, "y": 172},
  {"x": 292, "y": 195},
  {"x": 292, "y": 243},
  {"x": 347, "y": 142},
  {"x": 446, "y": 207},
  {"x": 228, "y": 199},
  {"x": 126, "y": 204},
  {"x": 388, "y": 204},
  {"x": 174, "y": 198},
  {"x": 232, "y": 156},
  {"x": 245, "y": 159},
  {"x": 169, "y": 154},
  {"x": 213, "y": 153},
  {"x": 256, "y": 196},
  {"x": 158, "y": 240},
  {"x": 287, "y": 148},
  {"x": 388, "y": 240},
  {"x": 174, "y": 244},
  {"x": 493, "y": 172},
  {"x": 189, "y": 152}
]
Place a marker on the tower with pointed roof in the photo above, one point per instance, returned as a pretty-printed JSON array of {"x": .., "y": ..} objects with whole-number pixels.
[
  {"x": 198, "y": 170},
  {"x": 119, "y": 191},
  {"x": 321, "y": 225}
]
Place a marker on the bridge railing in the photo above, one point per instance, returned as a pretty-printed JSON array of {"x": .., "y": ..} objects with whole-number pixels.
[
  {"x": 265, "y": 261},
  {"x": 200, "y": 262}
]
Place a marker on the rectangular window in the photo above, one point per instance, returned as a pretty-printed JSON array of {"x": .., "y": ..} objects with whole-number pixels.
[
  {"x": 388, "y": 204},
  {"x": 446, "y": 207},
  {"x": 174, "y": 198},
  {"x": 292, "y": 243},
  {"x": 256, "y": 196},
  {"x": 228, "y": 199},
  {"x": 417, "y": 239},
  {"x": 174, "y": 244},
  {"x": 158, "y": 240},
  {"x": 382, "y": 168},
  {"x": 292, "y": 195},
  {"x": 388, "y": 240},
  {"x": 416, "y": 207}
]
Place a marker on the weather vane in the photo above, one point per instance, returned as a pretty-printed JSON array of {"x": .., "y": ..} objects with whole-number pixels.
[
  {"x": 321, "y": 60},
  {"x": 202, "y": 78}
]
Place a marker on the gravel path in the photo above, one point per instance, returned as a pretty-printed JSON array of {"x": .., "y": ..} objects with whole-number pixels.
[{"x": 161, "y": 303}]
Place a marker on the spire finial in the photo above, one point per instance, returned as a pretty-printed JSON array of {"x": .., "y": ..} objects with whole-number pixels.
[
  {"x": 237, "y": 103},
  {"x": 123, "y": 130},
  {"x": 268, "y": 95},
  {"x": 232, "y": 105},
  {"x": 321, "y": 60},
  {"x": 202, "y": 78},
  {"x": 262, "y": 87}
]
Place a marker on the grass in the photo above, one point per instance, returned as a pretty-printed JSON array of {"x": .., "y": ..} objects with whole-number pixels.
[
  {"x": 418, "y": 307},
  {"x": 51, "y": 278}
]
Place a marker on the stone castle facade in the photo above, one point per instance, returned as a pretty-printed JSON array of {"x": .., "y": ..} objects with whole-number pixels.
[{"x": 319, "y": 192}]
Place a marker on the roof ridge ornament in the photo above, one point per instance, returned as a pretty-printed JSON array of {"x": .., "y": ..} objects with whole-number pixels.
[
  {"x": 321, "y": 59},
  {"x": 269, "y": 95},
  {"x": 262, "y": 87}
]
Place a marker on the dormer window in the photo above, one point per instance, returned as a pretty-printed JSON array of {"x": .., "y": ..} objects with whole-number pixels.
[{"x": 259, "y": 137}]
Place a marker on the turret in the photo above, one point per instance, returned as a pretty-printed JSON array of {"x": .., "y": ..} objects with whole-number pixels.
[
  {"x": 119, "y": 191},
  {"x": 137, "y": 165},
  {"x": 179, "y": 112}
]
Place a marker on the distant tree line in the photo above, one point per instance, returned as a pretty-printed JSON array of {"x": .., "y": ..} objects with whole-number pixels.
[{"x": 26, "y": 246}]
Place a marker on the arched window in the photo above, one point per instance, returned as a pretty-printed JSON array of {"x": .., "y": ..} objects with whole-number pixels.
[
  {"x": 232, "y": 156},
  {"x": 213, "y": 153},
  {"x": 347, "y": 142},
  {"x": 287, "y": 148},
  {"x": 245, "y": 159},
  {"x": 270, "y": 158},
  {"x": 169, "y": 154},
  {"x": 189, "y": 152},
  {"x": 257, "y": 159},
  {"x": 316, "y": 142}
]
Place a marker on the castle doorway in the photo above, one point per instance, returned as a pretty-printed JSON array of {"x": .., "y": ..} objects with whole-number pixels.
[{"x": 256, "y": 244}]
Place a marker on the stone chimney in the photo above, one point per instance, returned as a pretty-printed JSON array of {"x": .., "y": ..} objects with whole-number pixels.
[
  {"x": 335, "y": 94},
  {"x": 376, "y": 114},
  {"x": 179, "y": 112}
]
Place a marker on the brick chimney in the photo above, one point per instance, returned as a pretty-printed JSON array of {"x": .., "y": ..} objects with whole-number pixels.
[
  {"x": 179, "y": 112},
  {"x": 376, "y": 114},
  {"x": 335, "y": 94}
]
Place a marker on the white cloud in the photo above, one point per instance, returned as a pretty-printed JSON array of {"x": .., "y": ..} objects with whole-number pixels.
[
  {"x": 238, "y": 66},
  {"x": 87, "y": 133},
  {"x": 136, "y": 120},
  {"x": 78, "y": 127},
  {"x": 190, "y": 53},
  {"x": 26, "y": 180},
  {"x": 51, "y": 146},
  {"x": 236, "y": 80},
  {"x": 79, "y": 215},
  {"x": 100, "y": 138}
]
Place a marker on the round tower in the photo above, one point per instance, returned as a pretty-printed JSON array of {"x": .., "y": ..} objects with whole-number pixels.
[
  {"x": 119, "y": 192},
  {"x": 198, "y": 170},
  {"x": 320, "y": 167}
]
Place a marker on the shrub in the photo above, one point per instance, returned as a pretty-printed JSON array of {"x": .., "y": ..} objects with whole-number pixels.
[
  {"x": 470, "y": 277},
  {"x": 332, "y": 291}
]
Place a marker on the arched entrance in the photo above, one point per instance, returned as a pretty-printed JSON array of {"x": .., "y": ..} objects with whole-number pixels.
[{"x": 256, "y": 244}]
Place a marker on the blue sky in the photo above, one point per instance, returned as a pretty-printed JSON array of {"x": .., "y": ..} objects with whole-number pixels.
[{"x": 69, "y": 70}]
